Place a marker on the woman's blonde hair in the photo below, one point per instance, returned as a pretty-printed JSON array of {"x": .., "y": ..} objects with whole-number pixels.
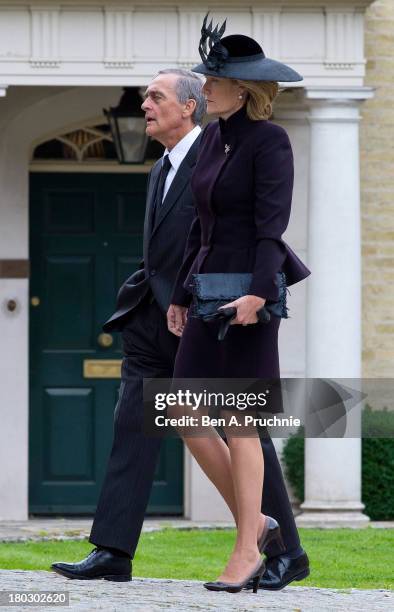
[{"x": 261, "y": 95}]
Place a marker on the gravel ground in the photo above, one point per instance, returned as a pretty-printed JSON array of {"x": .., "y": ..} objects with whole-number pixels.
[{"x": 148, "y": 595}]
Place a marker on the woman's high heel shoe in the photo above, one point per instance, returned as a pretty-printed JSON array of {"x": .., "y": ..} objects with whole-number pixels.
[
  {"x": 235, "y": 587},
  {"x": 271, "y": 533}
]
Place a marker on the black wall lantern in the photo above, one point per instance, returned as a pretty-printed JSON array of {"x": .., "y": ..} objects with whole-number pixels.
[{"x": 127, "y": 124}]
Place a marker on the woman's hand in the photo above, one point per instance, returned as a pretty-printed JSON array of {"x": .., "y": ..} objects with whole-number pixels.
[
  {"x": 176, "y": 319},
  {"x": 246, "y": 306}
]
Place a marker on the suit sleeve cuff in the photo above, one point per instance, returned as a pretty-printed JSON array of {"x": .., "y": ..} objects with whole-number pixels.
[
  {"x": 270, "y": 256},
  {"x": 181, "y": 297}
]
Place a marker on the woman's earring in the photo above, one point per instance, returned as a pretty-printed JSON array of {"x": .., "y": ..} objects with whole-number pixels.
[{"x": 240, "y": 96}]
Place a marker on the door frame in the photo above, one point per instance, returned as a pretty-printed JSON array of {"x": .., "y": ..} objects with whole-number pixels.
[{"x": 89, "y": 168}]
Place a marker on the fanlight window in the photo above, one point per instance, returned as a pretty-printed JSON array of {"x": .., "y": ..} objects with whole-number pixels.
[{"x": 87, "y": 144}]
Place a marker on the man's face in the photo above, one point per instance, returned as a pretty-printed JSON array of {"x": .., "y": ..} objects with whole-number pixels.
[{"x": 163, "y": 112}]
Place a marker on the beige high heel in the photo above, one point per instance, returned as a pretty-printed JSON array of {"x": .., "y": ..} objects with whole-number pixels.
[{"x": 236, "y": 587}]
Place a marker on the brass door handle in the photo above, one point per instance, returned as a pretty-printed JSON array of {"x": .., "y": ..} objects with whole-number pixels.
[{"x": 105, "y": 340}]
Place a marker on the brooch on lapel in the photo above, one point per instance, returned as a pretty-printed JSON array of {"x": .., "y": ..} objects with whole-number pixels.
[{"x": 227, "y": 149}]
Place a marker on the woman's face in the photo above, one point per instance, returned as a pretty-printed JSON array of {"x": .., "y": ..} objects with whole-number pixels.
[{"x": 223, "y": 96}]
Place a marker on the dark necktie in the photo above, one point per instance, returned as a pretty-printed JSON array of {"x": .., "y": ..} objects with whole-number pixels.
[{"x": 165, "y": 168}]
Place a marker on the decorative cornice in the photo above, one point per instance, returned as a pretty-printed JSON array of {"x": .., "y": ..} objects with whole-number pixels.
[
  {"x": 343, "y": 36},
  {"x": 44, "y": 64},
  {"x": 119, "y": 65},
  {"x": 85, "y": 44},
  {"x": 266, "y": 27},
  {"x": 187, "y": 65},
  {"x": 190, "y": 4},
  {"x": 118, "y": 37},
  {"x": 44, "y": 37},
  {"x": 339, "y": 94},
  {"x": 339, "y": 65}
]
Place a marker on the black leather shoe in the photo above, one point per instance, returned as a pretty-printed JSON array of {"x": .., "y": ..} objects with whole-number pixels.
[
  {"x": 100, "y": 563},
  {"x": 282, "y": 570},
  {"x": 270, "y": 536}
]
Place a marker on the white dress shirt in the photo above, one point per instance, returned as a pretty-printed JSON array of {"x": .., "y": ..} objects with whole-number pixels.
[{"x": 178, "y": 154}]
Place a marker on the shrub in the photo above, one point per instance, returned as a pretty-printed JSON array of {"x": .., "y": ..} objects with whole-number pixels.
[
  {"x": 293, "y": 458},
  {"x": 377, "y": 464}
]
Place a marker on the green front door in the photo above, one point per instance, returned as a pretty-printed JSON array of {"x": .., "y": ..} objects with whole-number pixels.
[{"x": 85, "y": 240}]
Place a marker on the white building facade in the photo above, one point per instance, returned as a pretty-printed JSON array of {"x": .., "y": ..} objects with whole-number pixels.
[{"x": 60, "y": 64}]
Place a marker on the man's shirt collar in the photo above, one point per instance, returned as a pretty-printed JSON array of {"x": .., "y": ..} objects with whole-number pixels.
[{"x": 178, "y": 153}]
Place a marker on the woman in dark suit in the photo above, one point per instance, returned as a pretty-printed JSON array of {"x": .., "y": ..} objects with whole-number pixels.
[{"x": 242, "y": 186}]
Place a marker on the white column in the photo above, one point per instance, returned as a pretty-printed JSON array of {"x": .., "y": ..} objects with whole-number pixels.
[
  {"x": 14, "y": 339},
  {"x": 333, "y": 328},
  {"x": 14, "y": 442}
]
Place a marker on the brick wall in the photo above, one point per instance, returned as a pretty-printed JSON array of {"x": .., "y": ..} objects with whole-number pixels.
[{"x": 377, "y": 193}]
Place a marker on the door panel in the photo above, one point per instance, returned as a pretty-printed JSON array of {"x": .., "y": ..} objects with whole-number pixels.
[
  {"x": 86, "y": 239},
  {"x": 68, "y": 409},
  {"x": 69, "y": 296}
]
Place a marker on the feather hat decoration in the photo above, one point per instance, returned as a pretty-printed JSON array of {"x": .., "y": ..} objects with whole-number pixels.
[
  {"x": 212, "y": 53},
  {"x": 238, "y": 57}
]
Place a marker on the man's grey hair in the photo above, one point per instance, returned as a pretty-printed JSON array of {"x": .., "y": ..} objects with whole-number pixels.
[{"x": 189, "y": 86}]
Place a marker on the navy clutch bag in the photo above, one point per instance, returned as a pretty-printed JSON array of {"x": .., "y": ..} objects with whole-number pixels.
[{"x": 211, "y": 291}]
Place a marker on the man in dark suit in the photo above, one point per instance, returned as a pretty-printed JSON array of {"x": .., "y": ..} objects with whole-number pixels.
[{"x": 174, "y": 107}]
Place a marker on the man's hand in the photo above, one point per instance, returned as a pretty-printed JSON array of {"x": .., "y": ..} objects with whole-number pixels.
[
  {"x": 246, "y": 306},
  {"x": 176, "y": 319}
]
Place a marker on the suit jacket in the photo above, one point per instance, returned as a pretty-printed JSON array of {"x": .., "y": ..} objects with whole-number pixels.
[
  {"x": 242, "y": 186},
  {"x": 164, "y": 243}
]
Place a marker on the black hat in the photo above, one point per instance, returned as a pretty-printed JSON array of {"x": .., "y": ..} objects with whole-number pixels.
[{"x": 238, "y": 57}]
